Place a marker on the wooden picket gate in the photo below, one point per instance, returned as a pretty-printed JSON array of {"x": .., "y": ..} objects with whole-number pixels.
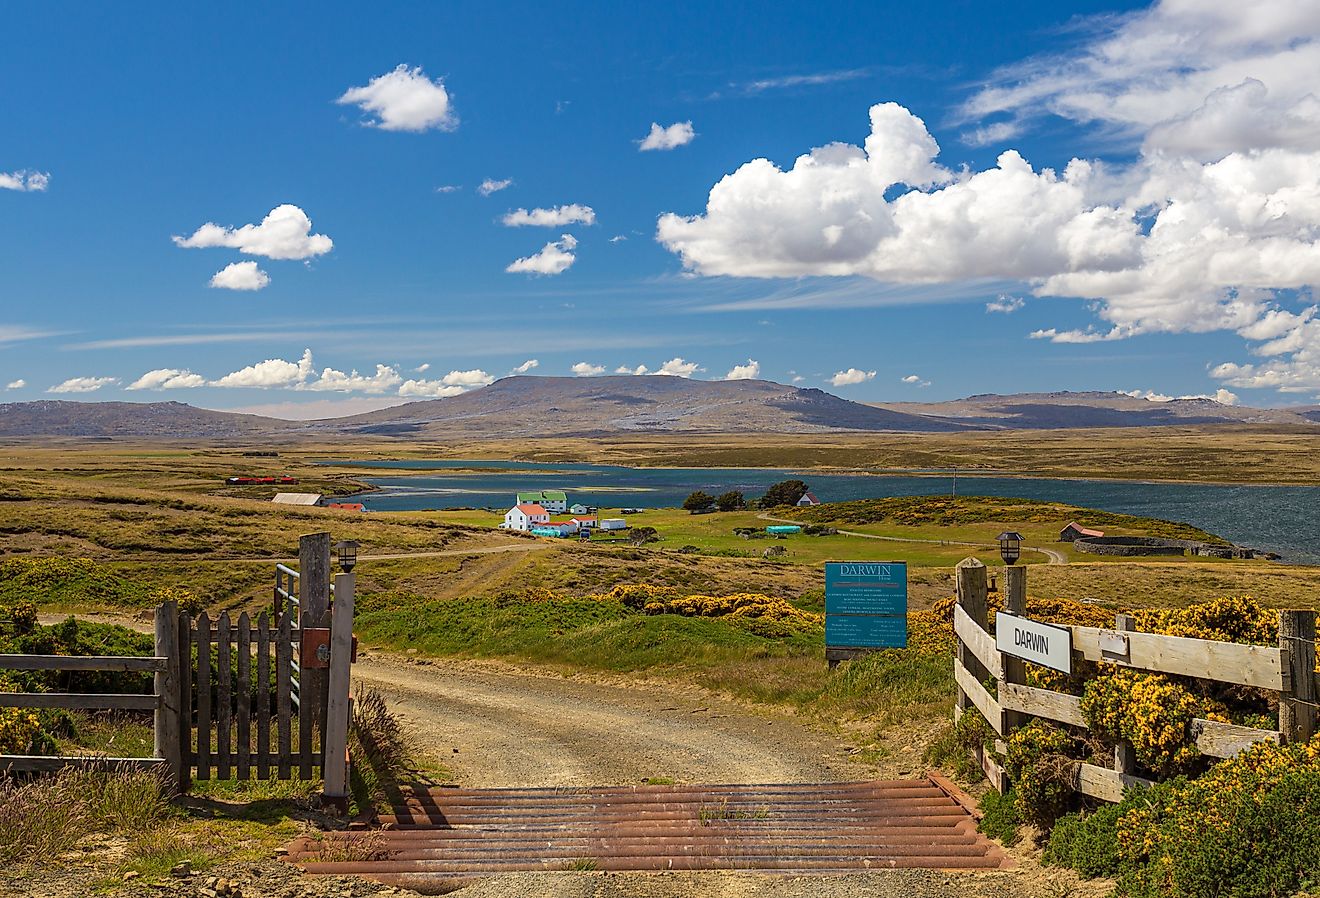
[
  {"x": 1288, "y": 670},
  {"x": 233, "y": 698}
]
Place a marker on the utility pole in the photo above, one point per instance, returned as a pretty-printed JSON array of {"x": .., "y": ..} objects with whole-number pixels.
[{"x": 955, "y": 481}]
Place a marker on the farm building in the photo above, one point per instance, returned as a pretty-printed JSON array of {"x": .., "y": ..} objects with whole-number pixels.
[
  {"x": 297, "y": 499},
  {"x": 553, "y": 501},
  {"x": 554, "y": 530},
  {"x": 613, "y": 524},
  {"x": 579, "y": 508},
  {"x": 1077, "y": 531},
  {"x": 808, "y": 498},
  {"x": 347, "y": 506},
  {"x": 582, "y": 523},
  {"x": 524, "y": 516}
]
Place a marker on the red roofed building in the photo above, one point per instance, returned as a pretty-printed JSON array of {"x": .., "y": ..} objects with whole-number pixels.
[
  {"x": 525, "y": 516},
  {"x": 347, "y": 506},
  {"x": 1075, "y": 530},
  {"x": 808, "y": 499}
]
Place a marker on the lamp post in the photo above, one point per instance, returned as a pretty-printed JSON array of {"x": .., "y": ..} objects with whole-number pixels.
[
  {"x": 347, "y": 552},
  {"x": 1010, "y": 546}
]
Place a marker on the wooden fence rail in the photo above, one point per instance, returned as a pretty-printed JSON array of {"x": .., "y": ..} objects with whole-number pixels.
[{"x": 1009, "y": 702}]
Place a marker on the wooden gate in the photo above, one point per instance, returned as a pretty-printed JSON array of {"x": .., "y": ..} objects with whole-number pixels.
[{"x": 234, "y": 699}]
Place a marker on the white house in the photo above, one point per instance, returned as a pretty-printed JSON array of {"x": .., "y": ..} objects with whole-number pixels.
[
  {"x": 582, "y": 523},
  {"x": 553, "y": 501},
  {"x": 579, "y": 508},
  {"x": 808, "y": 498},
  {"x": 525, "y": 516}
]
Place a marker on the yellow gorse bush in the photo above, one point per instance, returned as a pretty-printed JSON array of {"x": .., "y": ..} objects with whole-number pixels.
[
  {"x": 667, "y": 600},
  {"x": 1150, "y": 711},
  {"x": 18, "y": 726},
  {"x": 1200, "y": 807}
]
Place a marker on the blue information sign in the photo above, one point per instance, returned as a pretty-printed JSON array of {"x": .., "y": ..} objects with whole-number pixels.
[{"x": 866, "y": 604}]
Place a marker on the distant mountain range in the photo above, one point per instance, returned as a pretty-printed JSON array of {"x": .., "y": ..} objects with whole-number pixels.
[{"x": 538, "y": 407}]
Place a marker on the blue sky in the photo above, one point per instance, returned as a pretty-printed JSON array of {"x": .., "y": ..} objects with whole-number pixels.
[{"x": 126, "y": 134}]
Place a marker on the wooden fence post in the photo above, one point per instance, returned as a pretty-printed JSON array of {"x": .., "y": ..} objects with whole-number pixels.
[
  {"x": 1015, "y": 669},
  {"x": 168, "y": 743},
  {"x": 1297, "y": 706},
  {"x": 972, "y": 596},
  {"x": 1125, "y": 758},
  {"x": 334, "y": 745},
  {"x": 314, "y": 603}
]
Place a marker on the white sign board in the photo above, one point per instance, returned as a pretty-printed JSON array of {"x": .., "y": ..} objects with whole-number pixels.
[{"x": 1043, "y": 644}]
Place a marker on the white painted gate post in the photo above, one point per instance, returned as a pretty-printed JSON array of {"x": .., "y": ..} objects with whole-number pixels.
[{"x": 334, "y": 765}]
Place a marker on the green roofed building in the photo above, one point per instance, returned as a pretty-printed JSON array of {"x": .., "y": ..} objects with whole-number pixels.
[{"x": 553, "y": 501}]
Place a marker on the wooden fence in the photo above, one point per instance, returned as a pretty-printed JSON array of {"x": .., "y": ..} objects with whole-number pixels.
[
  {"x": 233, "y": 698},
  {"x": 1288, "y": 670}
]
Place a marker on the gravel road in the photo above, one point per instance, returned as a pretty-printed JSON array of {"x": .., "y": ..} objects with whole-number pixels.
[{"x": 495, "y": 725}]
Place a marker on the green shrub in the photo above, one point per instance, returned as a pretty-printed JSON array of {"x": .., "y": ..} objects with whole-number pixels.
[
  {"x": 1000, "y": 818},
  {"x": 1088, "y": 843},
  {"x": 1249, "y": 828}
]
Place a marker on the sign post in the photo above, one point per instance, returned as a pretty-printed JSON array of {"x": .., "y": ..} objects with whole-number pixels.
[{"x": 865, "y": 608}]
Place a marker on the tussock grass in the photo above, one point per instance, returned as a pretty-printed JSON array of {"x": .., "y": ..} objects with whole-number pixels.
[
  {"x": 380, "y": 752},
  {"x": 43, "y": 818}
]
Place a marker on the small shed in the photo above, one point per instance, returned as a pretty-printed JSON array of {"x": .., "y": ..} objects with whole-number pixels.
[
  {"x": 613, "y": 524},
  {"x": 579, "y": 508},
  {"x": 808, "y": 498},
  {"x": 1075, "y": 531},
  {"x": 347, "y": 506},
  {"x": 297, "y": 499}
]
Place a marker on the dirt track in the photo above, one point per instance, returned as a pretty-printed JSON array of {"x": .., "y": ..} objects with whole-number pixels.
[{"x": 515, "y": 727}]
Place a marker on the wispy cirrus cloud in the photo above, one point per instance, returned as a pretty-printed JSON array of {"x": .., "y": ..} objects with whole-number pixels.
[{"x": 811, "y": 79}]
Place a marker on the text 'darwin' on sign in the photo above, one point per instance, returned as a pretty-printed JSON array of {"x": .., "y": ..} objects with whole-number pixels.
[{"x": 1043, "y": 644}]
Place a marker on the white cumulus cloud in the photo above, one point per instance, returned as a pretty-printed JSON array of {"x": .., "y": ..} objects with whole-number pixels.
[
  {"x": 1222, "y": 396},
  {"x": 452, "y": 384},
  {"x": 332, "y": 380},
  {"x": 850, "y": 377},
  {"x": 750, "y": 371},
  {"x": 1005, "y": 304},
  {"x": 83, "y": 384},
  {"x": 16, "y": 384},
  {"x": 493, "y": 185},
  {"x": 637, "y": 371},
  {"x": 285, "y": 233},
  {"x": 915, "y": 380},
  {"x": 270, "y": 373},
  {"x": 167, "y": 379},
  {"x": 586, "y": 369},
  {"x": 667, "y": 138},
  {"x": 554, "y": 258},
  {"x": 555, "y": 217},
  {"x": 240, "y": 276},
  {"x": 24, "y": 180},
  {"x": 526, "y": 366},
  {"x": 677, "y": 367},
  {"x": 403, "y": 100}
]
